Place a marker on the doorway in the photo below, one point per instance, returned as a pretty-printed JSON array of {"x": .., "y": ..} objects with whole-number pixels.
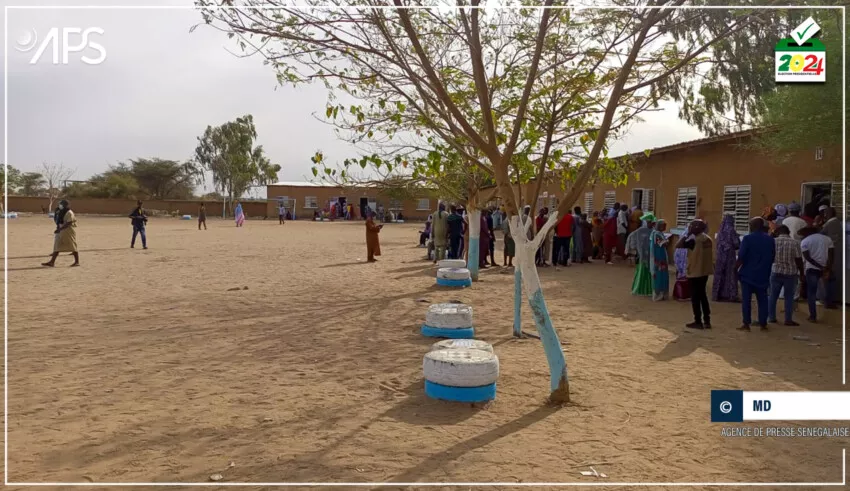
[
  {"x": 364, "y": 202},
  {"x": 813, "y": 194},
  {"x": 341, "y": 208},
  {"x": 637, "y": 197}
]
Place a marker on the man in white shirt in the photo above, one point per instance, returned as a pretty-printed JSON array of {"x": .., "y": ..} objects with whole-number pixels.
[
  {"x": 794, "y": 222},
  {"x": 622, "y": 229},
  {"x": 281, "y": 215},
  {"x": 819, "y": 254}
]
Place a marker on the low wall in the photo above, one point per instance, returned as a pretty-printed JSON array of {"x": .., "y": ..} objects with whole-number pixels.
[{"x": 96, "y": 206}]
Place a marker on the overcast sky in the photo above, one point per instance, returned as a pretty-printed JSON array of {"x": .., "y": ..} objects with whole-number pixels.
[{"x": 160, "y": 86}]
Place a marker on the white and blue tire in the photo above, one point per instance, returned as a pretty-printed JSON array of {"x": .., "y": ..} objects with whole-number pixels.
[
  {"x": 461, "y": 367},
  {"x": 452, "y": 263},
  {"x": 454, "y": 283},
  {"x": 462, "y": 344},
  {"x": 447, "y": 332},
  {"x": 453, "y": 273},
  {"x": 460, "y": 394},
  {"x": 452, "y": 315},
  {"x": 187, "y": 217}
]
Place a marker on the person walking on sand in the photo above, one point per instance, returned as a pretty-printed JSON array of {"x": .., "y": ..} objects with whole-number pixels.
[
  {"x": 65, "y": 236},
  {"x": 700, "y": 267},
  {"x": 754, "y": 263},
  {"x": 373, "y": 243},
  {"x": 281, "y": 214},
  {"x": 202, "y": 216},
  {"x": 239, "y": 215},
  {"x": 139, "y": 220}
]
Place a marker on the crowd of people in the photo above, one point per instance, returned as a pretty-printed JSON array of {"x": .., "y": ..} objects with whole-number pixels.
[{"x": 786, "y": 254}]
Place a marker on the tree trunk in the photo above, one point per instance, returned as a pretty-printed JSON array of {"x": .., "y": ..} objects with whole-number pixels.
[
  {"x": 517, "y": 301},
  {"x": 525, "y": 252},
  {"x": 474, "y": 243}
]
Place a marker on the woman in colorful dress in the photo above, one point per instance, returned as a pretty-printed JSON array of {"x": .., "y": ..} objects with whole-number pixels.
[
  {"x": 658, "y": 263},
  {"x": 239, "y": 215},
  {"x": 640, "y": 239},
  {"x": 725, "y": 288},
  {"x": 65, "y": 235}
]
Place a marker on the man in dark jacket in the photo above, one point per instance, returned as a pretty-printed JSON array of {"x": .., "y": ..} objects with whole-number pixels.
[{"x": 139, "y": 219}]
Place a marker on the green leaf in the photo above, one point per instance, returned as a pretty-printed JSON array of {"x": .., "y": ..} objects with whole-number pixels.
[
  {"x": 647, "y": 152},
  {"x": 315, "y": 172}
]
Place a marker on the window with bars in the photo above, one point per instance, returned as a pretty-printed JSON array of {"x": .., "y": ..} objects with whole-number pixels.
[
  {"x": 837, "y": 198},
  {"x": 553, "y": 203},
  {"x": 395, "y": 205},
  {"x": 311, "y": 202},
  {"x": 686, "y": 206},
  {"x": 540, "y": 203},
  {"x": 424, "y": 204},
  {"x": 819, "y": 153},
  {"x": 609, "y": 199},
  {"x": 736, "y": 200},
  {"x": 644, "y": 198},
  {"x": 588, "y": 202}
]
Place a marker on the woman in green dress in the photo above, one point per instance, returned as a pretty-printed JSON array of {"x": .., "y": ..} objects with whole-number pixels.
[{"x": 642, "y": 283}]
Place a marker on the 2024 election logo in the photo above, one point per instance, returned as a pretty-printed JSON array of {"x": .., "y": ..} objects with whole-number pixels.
[{"x": 801, "y": 58}]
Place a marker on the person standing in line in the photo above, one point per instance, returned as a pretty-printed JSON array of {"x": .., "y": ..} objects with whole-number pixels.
[
  {"x": 440, "y": 232},
  {"x": 202, "y": 216},
  {"x": 483, "y": 242},
  {"x": 578, "y": 237},
  {"x": 373, "y": 243},
  {"x": 787, "y": 267},
  {"x": 754, "y": 265},
  {"x": 700, "y": 267},
  {"x": 819, "y": 253},
  {"x": 725, "y": 287},
  {"x": 492, "y": 236},
  {"x": 794, "y": 222},
  {"x": 510, "y": 246},
  {"x": 454, "y": 223},
  {"x": 834, "y": 229},
  {"x": 65, "y": 236},
  {"x": 640, "y": 243},
  {"x": 587, "y": 239},
  {"x": 564, "y": 231},
  {"x": 539, "y": 222},
  {"x": 609, "y": 236},
  {"x": 281, "y": 214},
  {"x": 622, "y": 230},
  {"x": 139, "y": 220},
  {"x": 658, "y": 262}
]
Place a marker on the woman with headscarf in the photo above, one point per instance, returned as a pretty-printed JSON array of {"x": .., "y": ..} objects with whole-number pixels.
[
  {"x": 510, "y": 246},
  {"x": 658, "y": 263},
  {"x": 725, "y": 288},
  {"x": 423, "y": 235},
  {"x": 239, "y": 215},
  {"x": 635, "y": 221},
  {"x": 440, "y": 232},
  {"x": 596, "y": 229},
  {"x": 587, "y": 240},
  {"x": 373, "y": 244},
  {"x": 769, "y": 217},
  {"x": 639, "y": 243},
  {"x": 65, "y": 236}
]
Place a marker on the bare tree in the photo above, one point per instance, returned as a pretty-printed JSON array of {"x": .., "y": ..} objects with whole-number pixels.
[{"x": 55, "y": 174}]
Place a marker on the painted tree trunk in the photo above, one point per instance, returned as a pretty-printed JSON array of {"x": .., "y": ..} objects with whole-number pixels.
[
  {"x": 474, "y": 243},
  {"x": 517, "y": 301},
  {"x": 525, "y": 253}
]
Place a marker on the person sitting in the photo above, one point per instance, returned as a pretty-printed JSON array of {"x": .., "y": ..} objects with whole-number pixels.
[{"x": 399, "y": 217}]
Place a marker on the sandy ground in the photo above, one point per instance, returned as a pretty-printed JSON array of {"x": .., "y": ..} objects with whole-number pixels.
[{"x": 143, "y": 366}]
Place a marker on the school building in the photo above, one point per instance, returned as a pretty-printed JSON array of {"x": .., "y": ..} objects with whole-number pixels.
[
  {"x": 712, "y": 176},
  {"x": 306, "y": 198}
]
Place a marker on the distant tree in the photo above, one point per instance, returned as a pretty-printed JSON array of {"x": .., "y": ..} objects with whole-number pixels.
[
  {"x": 214, "y": 196},
  {"x": 31, "y": 184},
  {"x": 229, "y": 154},
  {"x": 165, "y": 179},
  {"x": 11, "y": 178},
  {"x": 55, "y": 175}
]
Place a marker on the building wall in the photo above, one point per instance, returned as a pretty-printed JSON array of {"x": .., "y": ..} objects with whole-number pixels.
[
  {"x": 95, "y": 206},
  {"x": 323, "y": 194},
  {"x": 710, "y": 168}
]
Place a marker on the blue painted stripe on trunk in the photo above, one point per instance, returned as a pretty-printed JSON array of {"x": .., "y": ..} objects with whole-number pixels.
[
  {"x": 454, "y": 283},
  {"x": 517, "y": 302},
  {"x": 442, "y": 332},
  {"x": 460, "y": 394},
  {"x": 551, "y": 343}
]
